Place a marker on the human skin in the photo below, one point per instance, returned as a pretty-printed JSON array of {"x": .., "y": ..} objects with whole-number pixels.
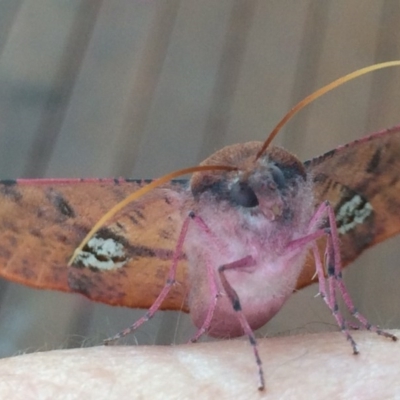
[{"x": 314, "y": 366}]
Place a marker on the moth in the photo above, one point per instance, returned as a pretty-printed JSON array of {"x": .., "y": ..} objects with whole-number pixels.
[{"x": 252, "y": 224}]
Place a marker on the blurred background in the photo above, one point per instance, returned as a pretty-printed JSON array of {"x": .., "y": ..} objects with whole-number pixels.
[{"x": 92, "y": 88}]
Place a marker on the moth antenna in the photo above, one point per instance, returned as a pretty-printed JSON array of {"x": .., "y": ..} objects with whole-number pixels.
[
  {"x": 139, "y": 193},
  {"x": 319, "y": 93}
]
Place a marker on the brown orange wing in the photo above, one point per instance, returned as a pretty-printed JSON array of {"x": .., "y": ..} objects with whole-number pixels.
[
  {"x": 43, "y": 221},
  {"x": 361, "y": 180}
]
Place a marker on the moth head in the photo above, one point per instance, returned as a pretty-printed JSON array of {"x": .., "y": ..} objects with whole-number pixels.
[{"x": 264, "y": 185}]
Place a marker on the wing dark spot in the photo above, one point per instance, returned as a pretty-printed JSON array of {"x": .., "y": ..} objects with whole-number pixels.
[
  {"x": 36, "y": 232},
  {"x": 27, "y": 272},
  {"x": 329, "y": 153},
  {"x": 374, "y": 161},
  {"x": 133, "y": 219},
  {"x": 61, "y": 238},
  {"x": 9, "y": 189},
  {"x": 120, "y": 226},
  {"x": 82, "y": 285},
  {"x": 133, "y": 251},
  {"x": 393, "y": 181},
  {"x": 61, "y": 204},
  {"x": 5, "y": 252},
  {"x": 142, "y": 251},
  {"x": 8, "y": 182},
  {"x": 9, "y": 225},
  {"x": 165, "y": 234},
  {"x": 12, "y": 240},
  {"x": 317, "y": 160},
  {"x": 139, "y": 181},
  {"x": 139, "y": 213}
]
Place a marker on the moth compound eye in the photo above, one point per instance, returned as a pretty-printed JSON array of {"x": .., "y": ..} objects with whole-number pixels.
[
  {"x": 243, "y": 195},
  {"x": 278, "y": 177}
]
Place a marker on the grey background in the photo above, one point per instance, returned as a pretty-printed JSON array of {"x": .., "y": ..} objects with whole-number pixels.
[{"x": 96, "y": 88}]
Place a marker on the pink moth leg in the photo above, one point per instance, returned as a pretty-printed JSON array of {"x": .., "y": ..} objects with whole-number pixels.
[
  {"x": 331, "y": 299},
  {"x": 332, "y": 255},
  {"x": 335, "y": 277},
  {"x": 234, "y": 298},
  {"x": 164, "y": 293}
]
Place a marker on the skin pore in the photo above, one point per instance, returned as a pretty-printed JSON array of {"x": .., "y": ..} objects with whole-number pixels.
[{"x": 312, "y": 366}]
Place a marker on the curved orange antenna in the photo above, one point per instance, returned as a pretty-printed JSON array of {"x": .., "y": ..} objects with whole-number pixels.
[
  {"x": 139, "y": 193},
  {"x": 321, "y": 92}
]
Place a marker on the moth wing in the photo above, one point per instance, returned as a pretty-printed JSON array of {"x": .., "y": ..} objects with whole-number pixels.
[
  {"x": 361, "y": 180},
  {"x": 43, "y": 221}
]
